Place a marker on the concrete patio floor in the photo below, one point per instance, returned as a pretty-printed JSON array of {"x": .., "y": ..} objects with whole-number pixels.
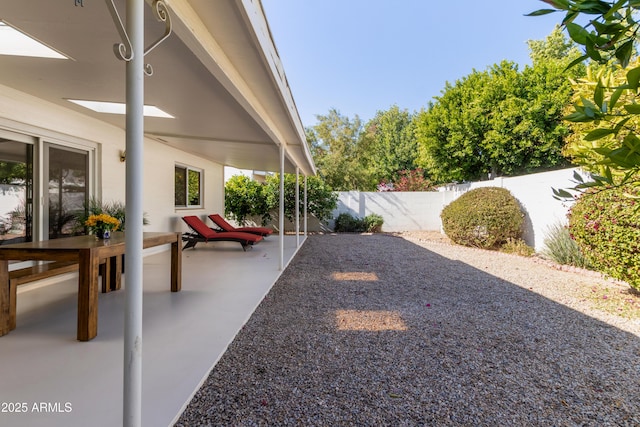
[{"x": 50, "y": 379}]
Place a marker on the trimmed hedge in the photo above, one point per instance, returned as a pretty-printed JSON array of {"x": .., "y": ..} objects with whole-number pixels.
[
  {"x": 606, "y": 226},
  {"x": 346, "y": 223},
  {"x": 484, "y": 218}
]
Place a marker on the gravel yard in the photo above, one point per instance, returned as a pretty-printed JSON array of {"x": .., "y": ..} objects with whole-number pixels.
[{"x": 387, "y": 330}]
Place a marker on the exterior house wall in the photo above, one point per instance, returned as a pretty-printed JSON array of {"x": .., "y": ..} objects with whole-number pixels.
[
  {"x": 407, "y": 211},
  {"x": 22, "y": 113}
]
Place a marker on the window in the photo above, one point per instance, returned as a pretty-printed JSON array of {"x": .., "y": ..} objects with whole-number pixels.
[{"x": 188, "y": 187}]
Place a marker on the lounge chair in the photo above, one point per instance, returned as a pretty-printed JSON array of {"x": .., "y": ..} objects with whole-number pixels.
[
  {"x": 224, "y": 226},
  {"x": 200, "y": 232}
]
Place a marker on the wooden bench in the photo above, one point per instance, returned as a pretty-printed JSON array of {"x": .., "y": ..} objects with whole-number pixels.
[{"x": 45, "y": 271}]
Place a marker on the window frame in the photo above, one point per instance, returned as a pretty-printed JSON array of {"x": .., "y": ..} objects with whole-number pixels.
[{"x": 187, "y": 170}]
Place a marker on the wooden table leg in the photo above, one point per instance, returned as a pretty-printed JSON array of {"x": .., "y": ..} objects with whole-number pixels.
[
  {"x": 115, "y": 280},
  {"x": 176, "y": 265},
  {"x": 5, "y": 298},
  {"x": 104, "y": 270},
  {"x": 87, "y": 295}
]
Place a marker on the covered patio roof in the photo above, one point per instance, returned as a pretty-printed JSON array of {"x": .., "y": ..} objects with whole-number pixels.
[{"x": 218, "y": 74}]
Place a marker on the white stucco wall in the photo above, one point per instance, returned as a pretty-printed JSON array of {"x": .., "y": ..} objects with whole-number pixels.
[
  {"x": 401, "y": 211},
  {"x": 22, "y": 113},
  {"x": 406, "y": 211}
]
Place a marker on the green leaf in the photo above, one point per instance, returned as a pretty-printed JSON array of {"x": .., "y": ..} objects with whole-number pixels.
[
  {"x": 633, "y": 78},
  {"x": 614, "y": 98},
  {"x": 598, "y": 94},
  {"x": 541, "y": 12},
  {"x": 607, "y": 16},
  {"x": 577, "y": 117},
  {"x": 593, "y": 7},
  {"x": 569, "y": 17},
  {"x": 601, "y": 28},
  {"x": 631, "y": 142},
  {"x": 576, "y": 61},
  {"x": 577, "y": 33},
  {"x": 590, "y": 47},
  {"x": 607, "y": 174},
  {"x": 624, "y": 52},
  {"x": 598, "y": 134},
  {"x": 620, "y": 125},
  {"x": 558, "y": 4},
  {"x": 632, "y": 108}
]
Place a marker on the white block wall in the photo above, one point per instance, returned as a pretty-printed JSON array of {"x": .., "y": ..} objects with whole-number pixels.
[{"x": 407, "y": 211}]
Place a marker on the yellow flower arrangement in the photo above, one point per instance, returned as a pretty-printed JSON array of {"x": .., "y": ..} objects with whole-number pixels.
[{"x": 100, "y": 223}]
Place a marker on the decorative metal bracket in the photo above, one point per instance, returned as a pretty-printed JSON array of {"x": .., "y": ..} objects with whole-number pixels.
[{"x": 124, "y": 50}]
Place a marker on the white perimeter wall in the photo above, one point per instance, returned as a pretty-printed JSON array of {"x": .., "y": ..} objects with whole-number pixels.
[
  {"x": 406, "y": 211},
  {"x": 25, "y": 114}
]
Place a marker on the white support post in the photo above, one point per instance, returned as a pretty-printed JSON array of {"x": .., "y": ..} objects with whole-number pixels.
[
  {"x": 297, "y": 207},
  {"x": 281, "y": 208},
  {"x": 132, "y": 405},
  {"x": 305, "y": 206}
]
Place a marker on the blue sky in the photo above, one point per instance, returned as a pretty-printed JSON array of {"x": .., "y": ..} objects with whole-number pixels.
[{"x": 363, "y": 56}]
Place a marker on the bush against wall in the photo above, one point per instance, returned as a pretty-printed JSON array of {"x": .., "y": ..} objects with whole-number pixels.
[
  {"x": 346, "y": 223},
  {"x": 606, "y": 226},
  {"x": 484, "y": 217}
]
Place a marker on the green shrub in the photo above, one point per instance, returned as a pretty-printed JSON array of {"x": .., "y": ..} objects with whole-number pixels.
[
  {"x": 606, "y": 226},
  {"x": 484, "y": 217},
  {"x": 373, "y": 223},
  {"x": 517, "y": 247},
  {"x": 561, "y": 248},
  {"x": 347, "y": 223}
]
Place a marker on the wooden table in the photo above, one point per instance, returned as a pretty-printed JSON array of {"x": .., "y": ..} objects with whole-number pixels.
[{"x": 87, "y": 251}]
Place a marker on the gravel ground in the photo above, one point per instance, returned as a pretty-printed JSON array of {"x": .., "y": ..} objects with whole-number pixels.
[{"x": 379, "y": 330}]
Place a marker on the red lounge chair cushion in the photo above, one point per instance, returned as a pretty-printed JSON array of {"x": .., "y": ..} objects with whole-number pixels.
[
  {"x": 222, "y": 223},
  {"x": 208, "y": 234}
]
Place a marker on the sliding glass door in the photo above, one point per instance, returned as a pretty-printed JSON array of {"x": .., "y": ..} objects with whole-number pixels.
[
  {"x": 16, "y": 190},
  {"x": 66, "y": 172}
]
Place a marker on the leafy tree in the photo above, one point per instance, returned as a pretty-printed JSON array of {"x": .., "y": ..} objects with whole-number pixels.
[
  {"x": 321, "y": 200},
  {"x": 449, "y": 132},
  {"x": 389, "y": 145},
  {"x": 244, "y": 198},
  {"x": 334, "y": 146},
  {"x": 608, "y": 37},
  {"x": 501, "y": 121},
  {"x": 412, "y": 180}
]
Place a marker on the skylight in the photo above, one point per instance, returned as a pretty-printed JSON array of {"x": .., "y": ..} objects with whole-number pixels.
[
  {"x": 120, "y": 108},
  {"x": 16, "y": 43}
]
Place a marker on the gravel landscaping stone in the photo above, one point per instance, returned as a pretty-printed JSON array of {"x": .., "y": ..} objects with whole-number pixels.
[{"x": 373, "y": 330}]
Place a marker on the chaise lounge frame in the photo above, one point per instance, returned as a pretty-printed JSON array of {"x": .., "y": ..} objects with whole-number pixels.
[{"x": 201, "y": 233}]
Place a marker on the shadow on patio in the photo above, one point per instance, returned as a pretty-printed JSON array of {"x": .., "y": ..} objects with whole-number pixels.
[{"x": 50, "y": 379}]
